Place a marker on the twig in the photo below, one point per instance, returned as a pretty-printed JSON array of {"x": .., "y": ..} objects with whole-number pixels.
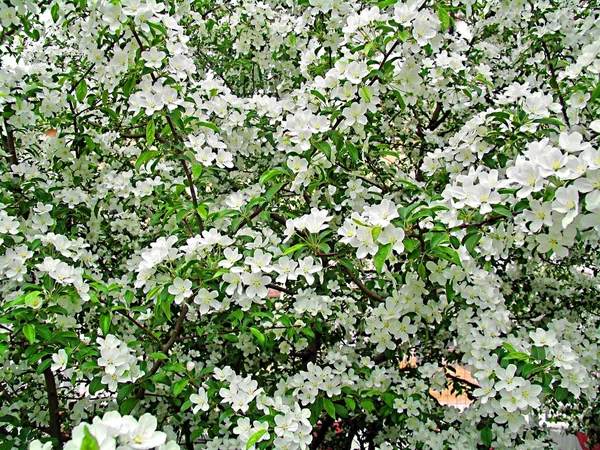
[{"x": 365, "y": 290}]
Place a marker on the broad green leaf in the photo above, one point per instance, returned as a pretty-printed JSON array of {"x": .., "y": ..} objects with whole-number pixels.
[
  {"x": 538, "y": 353},
  {"x": 29, "y": 332},
  {"x": 44, "y": 365},
  {"x": 150, "y": 132},
  {"x": 471, "y": 240},
  {"x": 350, "y": 403},
  {"x": 503, "y": 211},
  {"x": 329, "y": 407},
  {"x": 180, "y": 386},
  {"x": 186, "y": 405},
  {"x": 444, "y": 18},
  {"x": 128, "y": 405},
  {"x": 258, "y": 335},
  {"x": 145, "y": 157},
  {"x": 81, "y": 90},
  {"x": 88, "y": 442},
  {"x": 365, "y": 94},
  {"x": 325, "y": 148},
  {"x": 367, "y": 405},
  {"x": 255, "y": 438},
  {"x": 105, "y": 322},
  {"x": 54, "y": 12},
  {"x": 561, "y": 393},
  {"x": 270, "y": 174},
  {"x": 382, "y": 256},
  {"x": 487, "y": 436},
  {"x": 96, "y": 385},
  {"x": 209, "y": 125},
  {"x": 595, "y": 94},
  {"x": 319, "y": 95},
  {"x": 294, "y": 248},
  {"x": 352, "y": 151}
]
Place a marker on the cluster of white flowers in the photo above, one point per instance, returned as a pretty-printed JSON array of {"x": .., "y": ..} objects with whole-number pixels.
[
  {"x": 119, "y": 364},
  {"x": 115, "y": 431}
]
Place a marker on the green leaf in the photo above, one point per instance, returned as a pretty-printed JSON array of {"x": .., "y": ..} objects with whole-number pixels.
[
  {"x": 318, "y": 95},
  {"x": 158, "y": 355},
  {"x": 128, "y": 405},
  {"x": 550, "y": 121},
  {"x": 471, "y": 240},
  {"x": 44, "y": 365},
  {"x": 375, "y": 232},
  {"x": 212, "y": 126},
  {"x": 404, "y": 35},
  {"x": 150, "y": 132},
  {"x": 561, "y": 393},
  {"x": 88, "y": 442},
  {"x": 105, "y": 322},
  {"x": 54, "y": 12},
  {"x": 487, "y": 436},
  {"x": 503, "y": 211},
  {"x": 352, "y": 151},
  {"x": 258, "y": 335},
  {"x": 325, "y": 148},
  {"x": 422, "y": 271},
  {"x": 329, "y": 407},
  {"x": 444, "y": 18},
  {"x": 519, "y": 356},
  {"x": 350, "y": 403},
  {"x": 180, "y": 386},
  {"x": 294, "y": 248},
  {"x": 81, "y": 90},
  {"x": 381, "y": 257},
  {"x": 341, "y": 410},
  {"x": 595, "y": 94},
  {"x": 538, "y": 353},
  {"x": 96, "y": 385},
  {"x": 186, "y": 405},
  {"x": 124, "y": 392},
  {"x": 367, "y": 405},
  {"x": 530, "y": 369},
  {"x": 454, "y": 242},
  {"x": 145, "y": 157},
  {"x": 255, "y": 438},
  {"x": 274, "y": 190},
  {"x": 29, "y": 332},
  {"x": 270, "y": 174},
  {"x": 365, "y": 94},
  {"x": 128, "y": 86},
  {"x": 230, "y": 337}
]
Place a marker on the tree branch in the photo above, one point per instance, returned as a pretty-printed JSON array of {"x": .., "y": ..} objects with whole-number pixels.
[
  {"x": 365, "y": 290},
  {"x": 53, "y": 406}
]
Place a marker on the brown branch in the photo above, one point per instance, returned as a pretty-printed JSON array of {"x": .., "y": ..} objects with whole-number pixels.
[
  {"x": 9, "y": 144},
  {"x": 135, "y": 322},
  {"x": 166, "y": 347},
  {"x": 157, "y": 136},
  {"x": 281, "y": 289},
  {"x": 247, "y": 220},
  {"x": 53, "y": 406},
  {"x": 365, "y": 290},
  {"x": 554, "y": 80},
  {"x": 318, "y": 440}
]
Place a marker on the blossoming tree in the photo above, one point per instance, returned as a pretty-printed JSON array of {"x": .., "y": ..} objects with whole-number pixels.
[{"x": 234, "y": 224}]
